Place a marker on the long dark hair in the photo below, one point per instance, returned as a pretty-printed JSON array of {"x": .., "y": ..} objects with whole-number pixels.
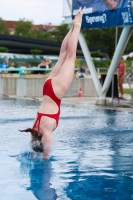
[{"x": 35, "y": 143}]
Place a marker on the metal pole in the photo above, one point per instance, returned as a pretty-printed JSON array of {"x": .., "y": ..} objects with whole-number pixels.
[
  {"x": 125, "y": 35},
  {"x": 69, "y": 5},
  {"x": 116, "y": 37},
  {"x": 89, "y": 62}
]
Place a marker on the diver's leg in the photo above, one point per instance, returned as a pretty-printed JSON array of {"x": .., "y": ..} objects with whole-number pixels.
[
  {"x": 64, "y": 78},
  {"x": 62, "y": 56}
]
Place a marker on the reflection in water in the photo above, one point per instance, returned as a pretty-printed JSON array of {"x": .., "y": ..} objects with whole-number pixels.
[
  {"x": 100, "y": 188},
  {"x": 39, "y": 172}
]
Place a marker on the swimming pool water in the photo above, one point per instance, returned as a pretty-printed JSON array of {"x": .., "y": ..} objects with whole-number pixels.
[{"x": 91, "y": 156}]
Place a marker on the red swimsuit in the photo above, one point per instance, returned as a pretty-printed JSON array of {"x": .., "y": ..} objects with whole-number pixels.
[
  {"x": 48, "y": 91},
  {"x": 121, "y": 68}
]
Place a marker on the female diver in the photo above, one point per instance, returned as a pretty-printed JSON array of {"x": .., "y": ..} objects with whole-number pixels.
[{"x": 54, "y": 89}]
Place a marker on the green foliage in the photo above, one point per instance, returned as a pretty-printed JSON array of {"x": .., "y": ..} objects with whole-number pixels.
[
  {"x": 60, "y": 32},
  {"x": 34, "y": 63},
  {"x": 105, "y": 38},
  {"x": 102, "y": 38},
  {"x": 127, "y": 91},
  {"x": 15, "y": 63},
  {"x": 36, "y": 51},
  {"x": 129, "y": 58},
  {"x": 3, "y": 50},
  {"x": 106, "y": 63},
  {"x": 24, "y": 28},
  {"x": 43, "y": 35},
  {"x": 3, "y": 27},
  {"x": 128, "y": 63},
  {"x": 78, "y": 63},
  {"x": 97, "y": 63},
  {"x": 95, "y": 53},
  {"x": 102, "y": 63}
]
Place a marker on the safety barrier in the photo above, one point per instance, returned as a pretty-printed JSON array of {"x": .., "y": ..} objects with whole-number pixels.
[
  {"x": 32, "y": 87},
  {"x": 105, "y": 70},
  {"x": 22, "y": 70}
]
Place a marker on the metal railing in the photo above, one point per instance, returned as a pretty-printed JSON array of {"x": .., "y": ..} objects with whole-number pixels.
[
  {"x": 105, "y": 70},
  {"x": 21, "y": 71},
  {"x": 25, "y": 70},
  {"x": 101, "y": 70}
]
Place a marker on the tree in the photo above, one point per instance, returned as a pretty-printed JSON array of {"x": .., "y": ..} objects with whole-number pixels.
[
  {"x": 60, "y": 32},
  {"x": 78, "y": 63},
  {"x": 129, "y": 47},
  {"x": 24, "y": 28},
  {"x": 3, "y": 27},
  {"x": 3, "y": 50},
  {"x": 102, "y": 38},
  {"x": 43, "y": 35},
  {"x": 35, "y": 51}
]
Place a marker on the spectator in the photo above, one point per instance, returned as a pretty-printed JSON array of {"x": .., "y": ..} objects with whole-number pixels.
[
  {"x": 0, "y": 64},
  {"x": 81, "y": 72},
  {"x": 48, "y": 63},
  {"x": 44, "y": 63},
  {"x": 12, "y": 65},
  {"x": 4, "y": 64},
  {"x": 121, "y": 76}
]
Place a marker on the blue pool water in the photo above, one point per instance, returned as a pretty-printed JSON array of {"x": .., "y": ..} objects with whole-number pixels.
[{"x": 91, "y": 156}]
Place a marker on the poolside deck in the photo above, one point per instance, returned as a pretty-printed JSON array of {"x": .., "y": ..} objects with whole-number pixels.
[{"x": 126, "y": 104}]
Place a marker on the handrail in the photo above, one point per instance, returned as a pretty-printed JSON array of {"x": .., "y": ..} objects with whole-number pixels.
[
  {"x": 105, "y": 70},
  {"x": 22, "y": 70}
]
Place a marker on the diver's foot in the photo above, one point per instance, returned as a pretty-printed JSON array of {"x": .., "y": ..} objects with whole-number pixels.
[{"x": 78, "y": 19}]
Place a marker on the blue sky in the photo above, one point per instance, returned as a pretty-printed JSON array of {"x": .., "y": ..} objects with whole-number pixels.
[{"x": 38, "y": 11}]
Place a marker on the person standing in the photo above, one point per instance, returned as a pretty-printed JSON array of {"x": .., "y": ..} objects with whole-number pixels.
[
  {"x": 4, "y": 64},
  {"x": 48, "y": 62},
  {"x": 44, "y": 63},
  {"x": 121, "y": 76}
]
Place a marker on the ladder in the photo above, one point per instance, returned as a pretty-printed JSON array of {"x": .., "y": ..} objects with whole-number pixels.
[{"x": 129, "y": 79}]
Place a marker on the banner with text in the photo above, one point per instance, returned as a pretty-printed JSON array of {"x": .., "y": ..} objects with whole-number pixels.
[{"x": 104, "y": 13}]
